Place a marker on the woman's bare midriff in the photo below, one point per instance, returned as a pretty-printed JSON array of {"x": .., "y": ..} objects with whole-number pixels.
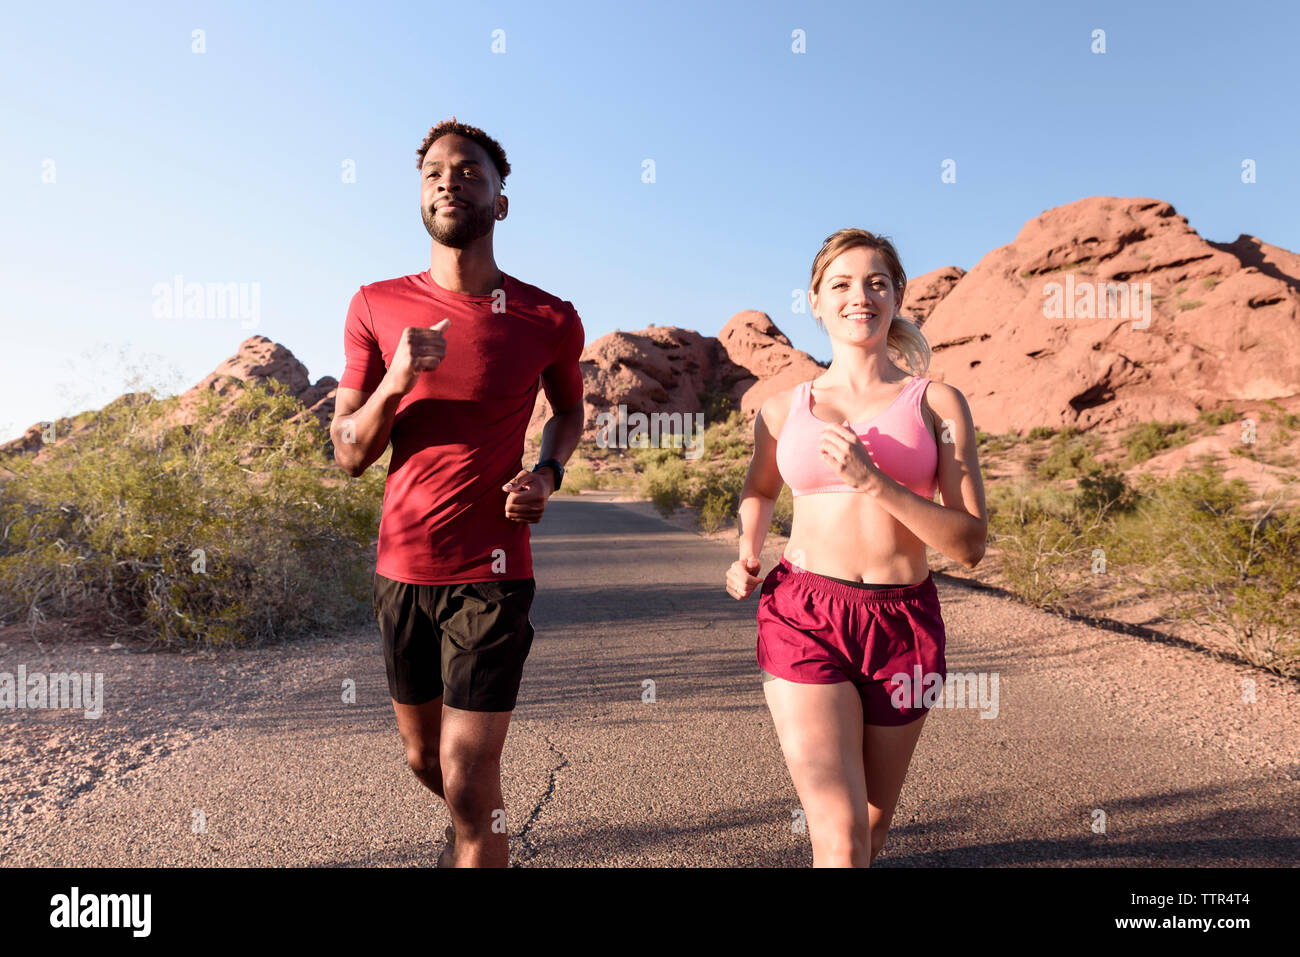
[{"x": 847, "y": 535}]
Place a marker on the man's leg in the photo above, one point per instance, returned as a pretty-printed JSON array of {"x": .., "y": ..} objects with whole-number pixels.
[
  {"x": 413, "y": 660},
  {"x": 470, "y": 762},
  {"x": 486, "y": 638},
  {"x": 420, "y": 726}
]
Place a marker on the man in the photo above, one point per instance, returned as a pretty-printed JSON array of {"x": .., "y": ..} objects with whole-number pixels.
[{"x": 447, "y": 364}]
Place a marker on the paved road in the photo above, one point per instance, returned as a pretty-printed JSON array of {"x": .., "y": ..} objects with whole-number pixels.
[{"x": 284, "y": 772}]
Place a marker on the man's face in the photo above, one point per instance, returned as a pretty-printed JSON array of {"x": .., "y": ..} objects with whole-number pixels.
[{"x": 459, "y": 198}]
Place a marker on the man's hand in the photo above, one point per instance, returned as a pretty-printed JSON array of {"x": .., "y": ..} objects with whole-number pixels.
[
  {"x": 419, "y": 350},
  {"x": 528, "y": 494}
]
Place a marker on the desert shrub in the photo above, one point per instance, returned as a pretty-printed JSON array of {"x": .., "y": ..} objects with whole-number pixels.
[
  {"x": 1042, "y": 540},
  {"x": 717, "y": 406},
  {"x": 783, "y": 512},
  {"x": 1189, "y": 540},
  {"x": 1148, "y": 438},
  {"x": 579, "y": 476},
  {"x": 1069, "y": 457},
  {"x": 1104, "y": 491},
  {"x": 717, "y": 494},
  {"x": 238, "y": 528},
  {"x": 1217, "y": 417},
  {"x": 731, "y": 438},
  {"x": 1229, "y": 568},
  {"x": 990, "y": 443},
  {"x": 664, "y": 481}
]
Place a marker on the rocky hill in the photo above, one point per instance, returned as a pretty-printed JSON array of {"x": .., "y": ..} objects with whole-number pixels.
[{"x": 1040, "y": 334}]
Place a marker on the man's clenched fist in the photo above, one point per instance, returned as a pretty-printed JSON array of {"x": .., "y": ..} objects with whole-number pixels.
[
  {"x": 528, "y": 494},
  {"x": 419, "y": 350}
]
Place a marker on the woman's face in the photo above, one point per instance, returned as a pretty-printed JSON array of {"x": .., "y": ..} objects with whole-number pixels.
[{"x": 856, "y": 301}]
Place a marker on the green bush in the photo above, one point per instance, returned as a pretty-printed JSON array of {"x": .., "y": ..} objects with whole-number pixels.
[
  {"x": 716, "y": 406},
  {"x": 1069, "y": 457},
  {"x": 579, "y": 476},
  {"x": 1103, "y": 492},
  {"x": 1217, "y": 417},
  {"x": 1148, "y": 438},
  {"x": 245, "y": 530},
  {"x": 664, "y": 481},
  {"x": 718, "y": 496},
  {"x": 783, "y": 512},
  {"x": 989, "y": 443},
  {"x": 1042, "y": 544},
  {"x": 1188, "y": 541},
  {"x": 1233, "y": 570}
]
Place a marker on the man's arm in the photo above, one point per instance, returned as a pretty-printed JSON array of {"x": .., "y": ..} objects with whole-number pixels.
[
  {"x": 562, "y": 432},
  {"x": 562, "y": 382},
  {"x": 530, "y": 490},
  {"x": 362, "y": 426},
  {"x": 363, "y": 422}
]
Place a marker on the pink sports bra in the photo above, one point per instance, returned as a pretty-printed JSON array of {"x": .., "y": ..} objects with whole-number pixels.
[{"x": 901, "y": 445}]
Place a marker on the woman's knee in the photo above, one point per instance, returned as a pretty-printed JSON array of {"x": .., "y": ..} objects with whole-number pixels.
[
  {"x": 844, "y": 846},
  {"x": 878, "y": 835}
]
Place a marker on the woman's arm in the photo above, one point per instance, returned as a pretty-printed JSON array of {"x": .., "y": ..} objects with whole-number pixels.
[
  {"x": 959, "y": 527},
  {"x": 763, "y": 483},
  {"x": 758, "y": 497}
]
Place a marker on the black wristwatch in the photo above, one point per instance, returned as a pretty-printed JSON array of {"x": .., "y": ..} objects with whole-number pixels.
[{"x": 555, "y": 467}]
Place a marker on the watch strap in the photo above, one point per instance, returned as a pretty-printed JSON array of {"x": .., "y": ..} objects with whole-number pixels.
[{"x": 556, "y": 467}]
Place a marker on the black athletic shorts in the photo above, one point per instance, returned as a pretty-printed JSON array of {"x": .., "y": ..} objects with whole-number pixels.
[{"x": 465, "y": 641}]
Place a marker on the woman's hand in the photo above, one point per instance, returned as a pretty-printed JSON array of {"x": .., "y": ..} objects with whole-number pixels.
[
  {"x": 844, "y": 452},
  {"x": 741, "y": 578}
]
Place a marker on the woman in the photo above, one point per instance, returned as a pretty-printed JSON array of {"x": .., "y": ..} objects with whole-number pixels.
[{"x": 850, "y": 613}]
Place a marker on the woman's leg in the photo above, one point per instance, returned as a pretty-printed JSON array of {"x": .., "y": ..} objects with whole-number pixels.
[
  {"x": 820, "y": 730},
  {"x": 886, "y": 753}
]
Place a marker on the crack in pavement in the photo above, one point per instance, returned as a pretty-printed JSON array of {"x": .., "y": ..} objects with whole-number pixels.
[{"x": 529, "y": 851}]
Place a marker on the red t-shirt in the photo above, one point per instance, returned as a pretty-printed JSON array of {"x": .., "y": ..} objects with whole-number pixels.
[{"x": 458, "y": 435}]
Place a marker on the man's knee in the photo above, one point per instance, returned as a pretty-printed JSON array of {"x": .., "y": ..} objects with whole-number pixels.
[
  {"x": 470, "y": 784},
  {"x": 424, "y": 763}
]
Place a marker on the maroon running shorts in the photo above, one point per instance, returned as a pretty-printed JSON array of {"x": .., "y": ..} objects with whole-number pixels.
[{"x": 813, "y": 629}]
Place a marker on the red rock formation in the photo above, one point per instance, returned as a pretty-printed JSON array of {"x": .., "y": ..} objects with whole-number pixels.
[
  {"x": 754, "y": 343},
  {"x": 1224, "y": 321},
  {"x": 666, "y": 369},
  {"x": 925, "y": 292},
  {"x": 257, "y": 361}
]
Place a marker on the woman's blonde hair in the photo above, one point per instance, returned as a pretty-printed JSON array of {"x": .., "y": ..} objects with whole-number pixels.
[{"x": 905, "y": 337}]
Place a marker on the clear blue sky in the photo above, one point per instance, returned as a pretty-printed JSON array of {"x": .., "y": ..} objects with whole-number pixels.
[{"x": 226, "y": 166}]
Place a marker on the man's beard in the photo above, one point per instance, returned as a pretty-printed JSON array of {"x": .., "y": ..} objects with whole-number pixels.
[{"x": 460, "y": 231}]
